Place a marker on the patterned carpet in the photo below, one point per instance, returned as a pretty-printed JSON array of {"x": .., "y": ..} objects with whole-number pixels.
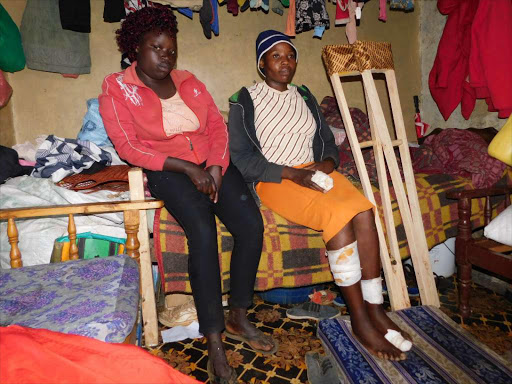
[{"x": 490, "y": 323}]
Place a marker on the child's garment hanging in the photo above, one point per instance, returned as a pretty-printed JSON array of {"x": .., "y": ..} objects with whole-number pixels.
[{"x": 342, "y": 13}]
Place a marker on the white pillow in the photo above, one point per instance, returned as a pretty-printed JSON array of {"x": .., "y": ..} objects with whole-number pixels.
[{"x": 500, "y": 228}]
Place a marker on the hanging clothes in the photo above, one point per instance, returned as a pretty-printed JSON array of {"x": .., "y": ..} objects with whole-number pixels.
[
  {"x": 402, "y": 5},
  {"x": 290, "y": 20},
  {"x": 473, "y": 57},
  {"x": 12, "y": 58},
  {"x": 342, "y": 16},
  {"x": 75, "y": 15},
  {"x": 490, "y": 59},
  {"x": 47, "y": 46},
  {"x": 113, "y": 11},
  {"x": 310, "y": 14},
  {"x": 382, "y": 10}
]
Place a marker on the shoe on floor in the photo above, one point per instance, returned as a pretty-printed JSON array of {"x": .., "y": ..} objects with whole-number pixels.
[
  {"x": 339, "y": 302},
  {"x": 181, "y": 315},
  {"x": 312, "y": 311},
  {"x": 321, "y": 370}
]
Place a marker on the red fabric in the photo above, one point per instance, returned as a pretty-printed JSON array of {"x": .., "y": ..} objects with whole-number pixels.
[
  {"x": 450, "y": 67},
  {"x": 490, "y": 61},
  {"x": 474, "y": 57},
  {"x": 5, "y": 90},
  {"x": 132, "y": 115},
  {"x": 39, "y": 356},
  {"x": 464, "y": 153}
]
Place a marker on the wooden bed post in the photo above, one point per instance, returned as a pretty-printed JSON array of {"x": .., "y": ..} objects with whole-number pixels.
[
  {"x": 364, "y": 59},
  {"x": 149, "y": 315}
]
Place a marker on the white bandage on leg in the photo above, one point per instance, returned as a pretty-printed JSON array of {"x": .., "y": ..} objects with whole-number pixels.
[
  {"x": 345, "y": 265},
  {"x": 372, "y": 290},
  {"x": 397, "y": 340}
]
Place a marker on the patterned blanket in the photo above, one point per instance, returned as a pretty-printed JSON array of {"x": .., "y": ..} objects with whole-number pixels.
[{"x": 294, "y": 256}]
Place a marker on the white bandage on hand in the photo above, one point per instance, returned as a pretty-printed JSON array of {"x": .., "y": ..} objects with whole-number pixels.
[
  {"x": 345, "y": 265},
  {"x": 323, "y": 180},
  {"x": 398, "y": 340},
  {"x": 372, "y": 290}
]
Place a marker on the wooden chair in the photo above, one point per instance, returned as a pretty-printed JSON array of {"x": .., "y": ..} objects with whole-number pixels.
[
  {"x": 65, "y": 276},
  {"x": 481, "y": 252}
]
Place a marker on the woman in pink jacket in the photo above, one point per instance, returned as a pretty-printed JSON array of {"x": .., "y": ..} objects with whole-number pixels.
[{"x": 164, "y": 120}]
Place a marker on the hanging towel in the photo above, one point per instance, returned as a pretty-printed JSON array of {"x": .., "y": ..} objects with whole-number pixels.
[{"x": 47, "y": 46}]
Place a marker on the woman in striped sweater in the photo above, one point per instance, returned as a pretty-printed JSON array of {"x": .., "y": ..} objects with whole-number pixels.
[{"x": 282, "y": 145}]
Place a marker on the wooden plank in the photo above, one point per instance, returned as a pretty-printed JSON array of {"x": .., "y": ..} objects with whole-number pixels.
[
  {"x": 397, "y": 283},
  {"x": 371, "y": 143},
  {"x": 89, "y": 208},
  {"x": 149, "y": 314},
  {"x": 415, "y": 237},
  {"x": 393, "y": 272},
  {"x": 426, "y": 281}
]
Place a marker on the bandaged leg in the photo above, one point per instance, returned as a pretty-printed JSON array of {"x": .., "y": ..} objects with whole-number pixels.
[
  {"x": 345, "y": 265},
  {"x": 372, "y": 290},
  {"x": 372, "y": 293}
]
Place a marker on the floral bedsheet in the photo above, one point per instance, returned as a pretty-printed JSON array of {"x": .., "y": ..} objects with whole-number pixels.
[{"x": 98, "y": 298}]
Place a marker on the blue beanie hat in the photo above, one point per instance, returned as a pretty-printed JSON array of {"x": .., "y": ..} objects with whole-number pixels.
[{"x": 266, "y": 40}]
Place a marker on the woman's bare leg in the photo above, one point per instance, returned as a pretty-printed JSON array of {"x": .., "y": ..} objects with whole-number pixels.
[
  {"x": 362, "y": 324},
  {"x": 368, "y": 245}
]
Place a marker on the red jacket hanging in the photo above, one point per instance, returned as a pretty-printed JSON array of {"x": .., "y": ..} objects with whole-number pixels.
[
  {"x": 490, "y": 61},
  {"x": 473, "y": 57}
]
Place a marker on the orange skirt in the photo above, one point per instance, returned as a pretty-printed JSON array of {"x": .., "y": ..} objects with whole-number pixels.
[{"x": 327, "y": 212}]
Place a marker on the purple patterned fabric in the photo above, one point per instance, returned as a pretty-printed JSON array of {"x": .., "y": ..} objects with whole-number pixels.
[{"x": 98, "y": 298}]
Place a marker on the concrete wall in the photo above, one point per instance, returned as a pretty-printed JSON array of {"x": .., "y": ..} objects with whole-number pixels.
[
  {"x": 45, "y": 103},
  {"x": 431, "y": 28}
]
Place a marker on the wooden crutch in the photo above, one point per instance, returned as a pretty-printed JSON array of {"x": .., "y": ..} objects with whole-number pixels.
[{"x": 363, "y": 59}]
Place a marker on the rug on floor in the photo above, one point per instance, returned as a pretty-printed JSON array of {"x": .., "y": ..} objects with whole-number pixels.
[
  {"x": 490, "y": 323},
  {"x": 442, "y": 352}
]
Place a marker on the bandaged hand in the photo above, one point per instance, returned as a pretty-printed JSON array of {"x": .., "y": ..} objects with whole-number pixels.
[{"x": 323, "y": 180}]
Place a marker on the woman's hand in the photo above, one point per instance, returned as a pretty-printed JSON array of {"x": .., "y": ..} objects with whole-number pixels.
[
  {"x": 301, "y": 177},
  {"x": 202, "y": 179},
  {"x": 216, "y": 172},
  {"x": 326, "y": 166}
]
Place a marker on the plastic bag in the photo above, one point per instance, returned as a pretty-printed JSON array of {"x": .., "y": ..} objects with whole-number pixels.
[
  {"x": 5, "y": 90},
  {"x": 92, "y": 126}
]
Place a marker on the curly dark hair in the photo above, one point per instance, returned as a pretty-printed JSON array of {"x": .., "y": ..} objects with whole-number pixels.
[{"x": 136, "y": 24}]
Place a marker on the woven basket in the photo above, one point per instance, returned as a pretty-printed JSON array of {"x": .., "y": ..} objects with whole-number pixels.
[{"x": 357, "y": 57}]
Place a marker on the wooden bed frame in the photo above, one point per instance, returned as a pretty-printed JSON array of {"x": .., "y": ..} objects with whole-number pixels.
[
  {"x": 481, "y": 252},
  {"x": 137, "y": 241}
]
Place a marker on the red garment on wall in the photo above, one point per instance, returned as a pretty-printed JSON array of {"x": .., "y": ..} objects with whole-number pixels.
[
  {"x": 473, "y": 57},
  {"x": 39, "y": 356},
  {"x": 490, "y": 61}
]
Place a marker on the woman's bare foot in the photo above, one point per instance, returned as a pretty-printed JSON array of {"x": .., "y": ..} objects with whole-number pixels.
[
  {"x": 381, "y": 321},
  {"x": 217, "y": 356},
  {"x": 372, "y": 339},
  {"x": 238, "y": 324}
]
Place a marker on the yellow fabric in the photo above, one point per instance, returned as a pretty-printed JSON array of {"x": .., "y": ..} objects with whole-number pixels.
[
  {"x": 501, "y": 146},
  {"x": 328, "y": 212}
]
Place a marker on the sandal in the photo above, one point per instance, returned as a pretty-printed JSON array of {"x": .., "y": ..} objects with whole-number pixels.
[
  {"x": 214, "y": 379},
  {"x": 250, "y": 339}
]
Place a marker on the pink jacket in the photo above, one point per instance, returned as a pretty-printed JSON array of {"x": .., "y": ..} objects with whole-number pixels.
[{"x": 132, "y": 115}]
